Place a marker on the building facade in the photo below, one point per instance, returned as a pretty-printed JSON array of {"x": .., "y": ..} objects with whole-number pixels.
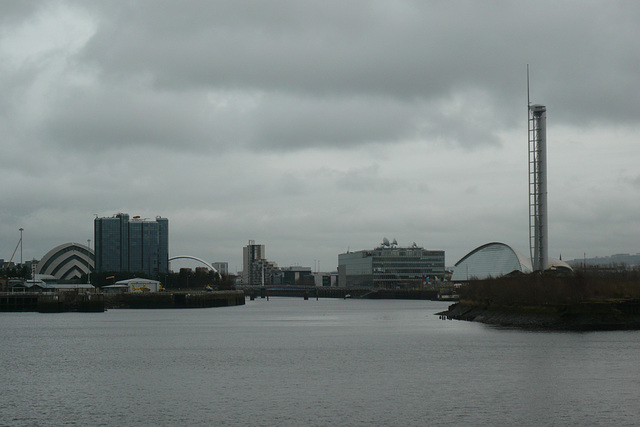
[
  {"x": 497, "y": 259},
  {"x": 325, "y": 280},
  {"x": 264, "y": 272},
  {"x": 221, "y": 267},
  {"x": 389, "y": 266},
  {"x": 67, "y": 262},
  {"x": 124, "y": 244},
  {"x": 297, "y": 276},
  {"x": 251, "y": 254}
]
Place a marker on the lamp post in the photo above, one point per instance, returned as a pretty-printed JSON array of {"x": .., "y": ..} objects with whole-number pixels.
[
  {"x": 88, "y": 261},
  {"x": 21, "y": 230}
]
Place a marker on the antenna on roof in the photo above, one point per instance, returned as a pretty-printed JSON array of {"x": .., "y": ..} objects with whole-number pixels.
[{"x": 528, "y": 99}]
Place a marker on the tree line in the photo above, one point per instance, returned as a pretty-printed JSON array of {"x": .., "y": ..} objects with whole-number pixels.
[
  {"x": 554, "y": 289},
  {"x": 184, "y": 279}
]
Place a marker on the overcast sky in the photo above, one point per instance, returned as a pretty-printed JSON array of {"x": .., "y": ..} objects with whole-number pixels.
[{"x": 314, "y": 127}]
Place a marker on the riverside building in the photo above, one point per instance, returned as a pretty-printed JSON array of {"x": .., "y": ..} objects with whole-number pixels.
[
  {"x": 390, "y": 266},
  {"x": 497, "y": 259},
  {"x": 251, "y": 255},
  {"x": 256, "y": 270},
  {"x": 124, "y": 244},
  {"x": 221, "y": 267},
  {"x": 66, "y": 262}
]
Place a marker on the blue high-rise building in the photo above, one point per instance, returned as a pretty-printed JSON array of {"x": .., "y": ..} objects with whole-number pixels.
[
  {"x": 163, "y": 244},
  {"x": 134, "y": 245}
]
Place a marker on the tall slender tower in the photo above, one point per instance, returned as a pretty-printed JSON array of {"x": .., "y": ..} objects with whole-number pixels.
[{"x": 538, "y": 221}]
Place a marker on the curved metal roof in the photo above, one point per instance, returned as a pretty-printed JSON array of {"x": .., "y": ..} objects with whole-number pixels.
[
  {"x": 496, "y": 259},
  {"x": 67, "y": 261},
  {"x": 490, "y": 260}
]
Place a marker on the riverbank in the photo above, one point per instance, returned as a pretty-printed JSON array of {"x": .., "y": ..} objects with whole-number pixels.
[
  {"x": 51, "y": 302},
  {"x": 98, "y": 302},
  {"x": 333, "y": 292},
  {"x": 584, "y": 316},
  {"x": 175, "y": 299}
]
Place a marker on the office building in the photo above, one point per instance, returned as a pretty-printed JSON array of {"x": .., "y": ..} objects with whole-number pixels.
[
  {"x": 221, "y": 267},
  {"x": 124, "y": 244},
  {"x": 392, "y": 267},
  {"x": 264, "y": 272},
  {"x": 250, "y": 254},
  {"x": 297, "y": 276},
  {"x": 256, "y": 270}
]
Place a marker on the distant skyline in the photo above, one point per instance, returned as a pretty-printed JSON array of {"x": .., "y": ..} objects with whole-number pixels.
[{"x": 315, "y": 127}]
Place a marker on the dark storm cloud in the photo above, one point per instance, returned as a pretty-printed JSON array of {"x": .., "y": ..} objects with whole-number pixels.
[
  {"x": 388, "y": 52},
  {"x": 383, "y": 111}
]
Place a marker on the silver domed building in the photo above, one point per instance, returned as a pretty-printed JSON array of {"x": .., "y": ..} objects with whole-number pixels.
[{"x": 496, "y": 259}]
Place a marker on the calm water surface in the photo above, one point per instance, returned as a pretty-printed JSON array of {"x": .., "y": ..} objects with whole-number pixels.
[{"x": 314, "y": 363}]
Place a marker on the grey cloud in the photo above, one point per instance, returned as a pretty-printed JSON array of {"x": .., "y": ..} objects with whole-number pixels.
[
  {"x": 341, "y": 75},
  {"x": 126, "y": 116},
  {"x": 286, "y": 122},
  {"x": 16, "y": 11},
  {"x": 405, "y": 49},
  {"x": 130, "y": 115},
  {"x": 341, "y": 120},
  {"x": 403, "y": 52}
]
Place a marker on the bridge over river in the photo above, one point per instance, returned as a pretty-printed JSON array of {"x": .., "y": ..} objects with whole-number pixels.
[{"x": 333, "y": 292}]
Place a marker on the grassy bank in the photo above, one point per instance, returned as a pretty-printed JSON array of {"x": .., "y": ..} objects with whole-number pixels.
[
  {"x": 581, "y": 301},
  {"x": 553, "y": 289}
]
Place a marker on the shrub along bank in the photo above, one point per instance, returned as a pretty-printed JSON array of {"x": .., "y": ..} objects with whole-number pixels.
[{"x": 578, "y": 301}]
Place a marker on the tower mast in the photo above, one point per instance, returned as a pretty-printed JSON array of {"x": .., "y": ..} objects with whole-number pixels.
[{"x": 538, "y": 220}]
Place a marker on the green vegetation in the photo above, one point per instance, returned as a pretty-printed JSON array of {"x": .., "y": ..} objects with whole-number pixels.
[
  {"x": 17, "y": 271},
  {"x": 553, "y": 288},
  {"x": 185, "y": 279}
]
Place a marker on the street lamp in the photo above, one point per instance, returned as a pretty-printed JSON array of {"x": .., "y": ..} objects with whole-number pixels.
[
  {"x": 88, "y": 261},
  {"x": 21, "y": 230}
]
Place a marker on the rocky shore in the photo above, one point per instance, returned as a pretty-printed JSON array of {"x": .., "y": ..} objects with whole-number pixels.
[{"x": 585, "y": 316}]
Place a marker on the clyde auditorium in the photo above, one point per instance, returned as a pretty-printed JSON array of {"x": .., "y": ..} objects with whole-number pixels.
[
  {"x": 496, "y": 259},
  {"x": 68, "y": 261}
]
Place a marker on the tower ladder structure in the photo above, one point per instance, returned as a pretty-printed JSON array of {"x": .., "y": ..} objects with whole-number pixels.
[{"x": 538, "y": 221}]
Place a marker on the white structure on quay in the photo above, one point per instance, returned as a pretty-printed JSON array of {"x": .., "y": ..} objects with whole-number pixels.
[{"x": 391, "y": 266}]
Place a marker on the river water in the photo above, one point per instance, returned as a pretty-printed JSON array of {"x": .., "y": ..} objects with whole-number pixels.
[{"x": 287, "y": 362}]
